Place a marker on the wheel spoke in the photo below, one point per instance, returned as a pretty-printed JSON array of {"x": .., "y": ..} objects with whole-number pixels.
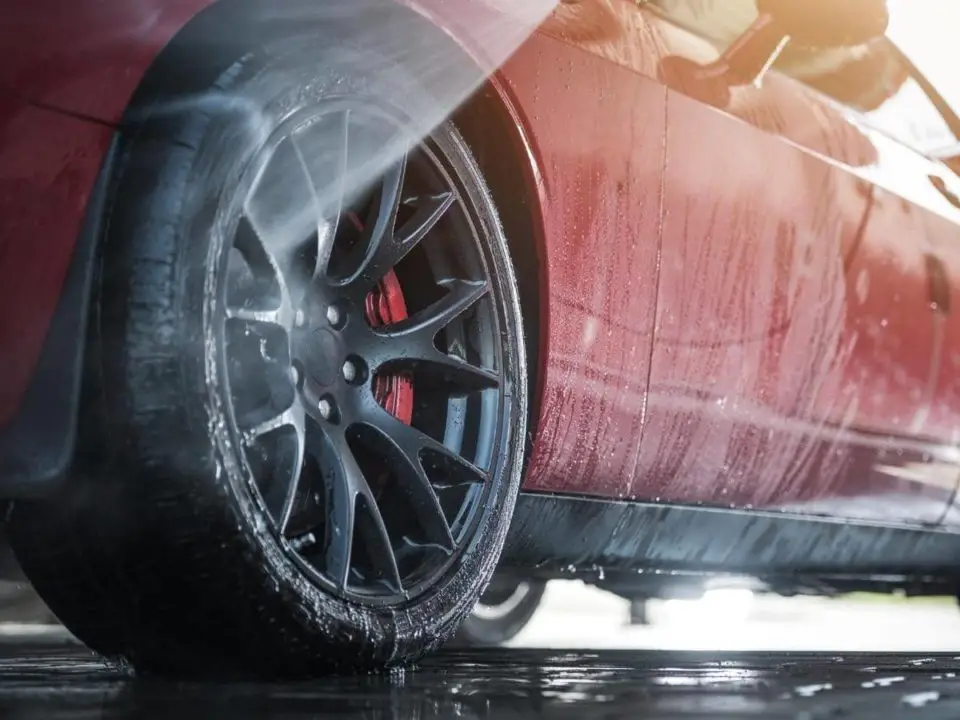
[
  {"x": 420, "y": 449},
  {"x": 429, "y": 210},
  {"x": 268, "y": 317},
  {"x": 344, "y": 478},
  {"x": 376, "y": 246},
  {"x": 251, "y": 246},
  {"x": 323, "y": 150},
  {"x": 346, "y": 486},
  {"x": 280, "y": 496},
  {"x": 265, "y": 269},
  {"x": 283, "y": 211},
  {"x": 292, "y": 416},
  {"x": 413, "y": 341},
  {"x": 378, "y": 543},
  {"x": 342, "y": 516},
  {"x": 404, "y": 459},
  {"x": 394, "y": 244},
  {"x": 425, "y": 324},
  {"x": 383, "y": 244}
]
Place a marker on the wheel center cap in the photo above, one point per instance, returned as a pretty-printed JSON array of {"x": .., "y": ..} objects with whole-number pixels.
[{"x": 321, "y": 352}]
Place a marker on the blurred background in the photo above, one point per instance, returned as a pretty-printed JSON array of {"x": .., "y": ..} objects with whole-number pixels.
[{"x": 575, "y": 616}]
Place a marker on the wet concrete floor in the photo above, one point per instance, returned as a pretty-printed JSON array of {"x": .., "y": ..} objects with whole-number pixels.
[{"x": 49, "y": 680}]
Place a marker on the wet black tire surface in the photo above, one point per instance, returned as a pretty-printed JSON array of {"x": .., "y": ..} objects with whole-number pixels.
[{"x": 155, "y": 550}]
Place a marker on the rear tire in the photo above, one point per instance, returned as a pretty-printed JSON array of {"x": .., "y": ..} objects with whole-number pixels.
[
  {"x": 503, "y": 611},
  {"x": 166, "y": 545}
]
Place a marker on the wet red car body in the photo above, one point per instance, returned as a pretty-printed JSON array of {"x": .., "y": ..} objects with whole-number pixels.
[{"x": 743, "y": 304}]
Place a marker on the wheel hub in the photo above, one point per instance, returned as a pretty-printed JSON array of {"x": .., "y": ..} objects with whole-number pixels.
[
  {"x": 318, "y": 353},
  {"x": 327, "y": 370}
]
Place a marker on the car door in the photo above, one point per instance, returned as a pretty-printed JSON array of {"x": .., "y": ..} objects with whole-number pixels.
[
  {"x": 942, "y": 256},
  {"x": 794, "y": 362},
  {"x": 584, "y": 90}
]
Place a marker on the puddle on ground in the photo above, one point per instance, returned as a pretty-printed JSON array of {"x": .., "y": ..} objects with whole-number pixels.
[{"x": 56, "y": 683}]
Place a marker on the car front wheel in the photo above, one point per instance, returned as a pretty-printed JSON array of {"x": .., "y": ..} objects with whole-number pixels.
[{"x": 305, "y": 402}]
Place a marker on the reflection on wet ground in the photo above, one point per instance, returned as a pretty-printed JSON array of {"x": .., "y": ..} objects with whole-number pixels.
[{"x": 53, "y": 681}]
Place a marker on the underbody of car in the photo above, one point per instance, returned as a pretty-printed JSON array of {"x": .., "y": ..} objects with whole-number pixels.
[{"x": 621, "y": 314}]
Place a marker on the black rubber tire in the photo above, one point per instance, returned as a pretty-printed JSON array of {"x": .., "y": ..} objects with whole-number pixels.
[
  {"x": 480, "y": 631},
  {"x": 155, "y": 550}
]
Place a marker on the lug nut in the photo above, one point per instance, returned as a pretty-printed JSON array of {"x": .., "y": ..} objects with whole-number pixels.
[
  {"x": 349, "y": 371},
  {"x": 326, "y": 408},
  {"x": 333, "y": 315},
  {"x": 300, "y": 318}
]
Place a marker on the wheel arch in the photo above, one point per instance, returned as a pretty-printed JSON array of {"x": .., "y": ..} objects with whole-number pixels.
[{"x": 490, "y": 124}]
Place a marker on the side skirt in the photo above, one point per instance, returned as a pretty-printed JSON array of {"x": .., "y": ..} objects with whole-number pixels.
[{"x": 562, "y": 536}]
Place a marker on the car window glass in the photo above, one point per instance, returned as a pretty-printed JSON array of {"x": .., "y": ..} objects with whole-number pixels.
[{"x": 868, "y": 80}]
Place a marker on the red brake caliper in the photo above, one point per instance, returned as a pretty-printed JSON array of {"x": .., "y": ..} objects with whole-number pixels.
[{"x": 385, "y": 305}]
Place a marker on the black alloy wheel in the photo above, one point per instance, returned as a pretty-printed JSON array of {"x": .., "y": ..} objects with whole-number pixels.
[
  {"x": 306, "y": 397},
  {"x": 355, "y": 400}
]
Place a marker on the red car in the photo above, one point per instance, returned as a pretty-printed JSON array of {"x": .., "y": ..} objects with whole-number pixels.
[{"x": 671, "y": 294}]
